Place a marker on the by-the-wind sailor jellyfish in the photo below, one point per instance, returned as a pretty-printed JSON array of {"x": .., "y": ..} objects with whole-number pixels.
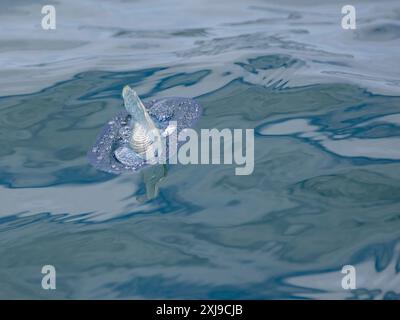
[{"x": 132, "y": 139}]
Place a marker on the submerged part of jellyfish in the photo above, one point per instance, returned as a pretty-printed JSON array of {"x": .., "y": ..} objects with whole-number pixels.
[
  {"x": 130, "y": 140},
  {"x": 152, "y": 176}
]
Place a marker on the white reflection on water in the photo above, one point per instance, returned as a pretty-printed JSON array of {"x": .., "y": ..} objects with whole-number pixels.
[
  {"x": 111, "y": 35},
  {"x": 94, "y": 202},
  {"x": 343, "y": 145},
  {"x": 370, "y": 283}
]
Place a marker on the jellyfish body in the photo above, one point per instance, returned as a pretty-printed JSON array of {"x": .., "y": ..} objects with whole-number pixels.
[{"x": 132, "y": 139}]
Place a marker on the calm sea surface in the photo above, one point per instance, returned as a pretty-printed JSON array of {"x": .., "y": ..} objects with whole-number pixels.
[{"x": 325, "y": 191}]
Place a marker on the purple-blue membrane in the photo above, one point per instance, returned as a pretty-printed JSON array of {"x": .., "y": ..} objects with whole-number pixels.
[{"x": 116, "y": 132}]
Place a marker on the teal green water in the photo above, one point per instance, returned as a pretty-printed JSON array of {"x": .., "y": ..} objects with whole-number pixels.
[{"x": 324, "y": 193}]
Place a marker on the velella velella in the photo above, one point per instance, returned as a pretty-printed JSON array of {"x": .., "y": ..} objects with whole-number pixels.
[{"x": 129, "y": 141}]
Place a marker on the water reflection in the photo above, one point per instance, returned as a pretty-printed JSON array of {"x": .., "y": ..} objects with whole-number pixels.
[{"x": 326, "y": 184}]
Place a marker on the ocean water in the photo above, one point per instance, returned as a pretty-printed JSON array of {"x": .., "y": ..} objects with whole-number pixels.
[{"x": 325, "y": 191}]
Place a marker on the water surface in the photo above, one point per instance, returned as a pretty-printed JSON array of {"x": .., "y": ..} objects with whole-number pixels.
[{"x": 324, "y": 103}]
